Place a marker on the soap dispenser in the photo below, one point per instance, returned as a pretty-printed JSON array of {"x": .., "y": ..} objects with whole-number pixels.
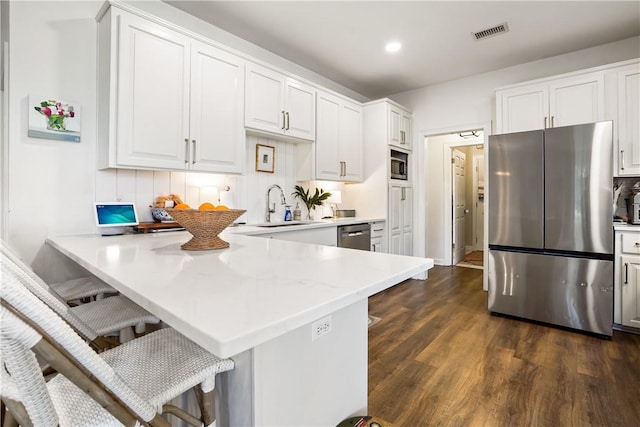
[
  {"x": 297, "y": 215},
  {"x": 287, "y": 213}
]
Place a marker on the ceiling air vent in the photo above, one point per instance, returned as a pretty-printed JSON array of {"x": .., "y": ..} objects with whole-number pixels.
[{"x": 490, "y": 32}]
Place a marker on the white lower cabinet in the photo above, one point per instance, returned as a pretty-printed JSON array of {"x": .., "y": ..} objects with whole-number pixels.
[
  {"x": 627, "y": 278},
  {"x": 400, "y": 219},
  {"x": 327, "y": 236},
  {"x": 377, "y": 237}
]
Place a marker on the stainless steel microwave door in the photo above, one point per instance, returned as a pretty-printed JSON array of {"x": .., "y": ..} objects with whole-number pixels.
[
  {"x": 516, "y": 199},
  {"x": 578, "y": 188}
]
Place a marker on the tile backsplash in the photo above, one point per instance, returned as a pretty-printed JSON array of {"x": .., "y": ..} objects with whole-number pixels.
[{"x": 244, "y": 191}]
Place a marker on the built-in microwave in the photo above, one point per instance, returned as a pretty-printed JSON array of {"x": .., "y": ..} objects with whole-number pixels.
[{"x": 398, "y": 165}]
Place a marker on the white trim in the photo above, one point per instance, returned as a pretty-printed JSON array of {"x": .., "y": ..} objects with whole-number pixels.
[
  {"x": 570, "y": 74},
  {"x": 4, "y": 146}
]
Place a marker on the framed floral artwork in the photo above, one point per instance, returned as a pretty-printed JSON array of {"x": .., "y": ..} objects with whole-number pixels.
[
  {"x": 53, "y": 118},
  {"x": 265, "y": 156}
]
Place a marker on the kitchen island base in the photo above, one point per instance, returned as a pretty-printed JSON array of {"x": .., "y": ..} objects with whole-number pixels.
[{"x": 294, "y": 380}]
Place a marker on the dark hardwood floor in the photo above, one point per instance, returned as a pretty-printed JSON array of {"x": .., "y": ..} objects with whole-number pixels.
[{"x": 437, "y": 357}]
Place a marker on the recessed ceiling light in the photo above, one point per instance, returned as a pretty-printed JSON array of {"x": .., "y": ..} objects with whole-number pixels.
[{"x": 393, "y": 47}]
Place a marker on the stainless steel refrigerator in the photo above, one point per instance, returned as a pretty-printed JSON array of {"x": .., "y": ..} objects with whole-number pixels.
[{"x": 550, "y": 211}]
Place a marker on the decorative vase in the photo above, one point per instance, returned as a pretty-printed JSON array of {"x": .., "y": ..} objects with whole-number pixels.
[
  {"x": 56, "y": 122},
  {"x": 311, "y": 213}
]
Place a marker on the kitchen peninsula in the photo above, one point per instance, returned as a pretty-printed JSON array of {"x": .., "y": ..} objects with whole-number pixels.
[{"x": 257, "y": 302}]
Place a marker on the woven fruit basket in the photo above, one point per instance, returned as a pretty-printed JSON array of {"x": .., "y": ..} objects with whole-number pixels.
[{"x": 204, "y": 225}]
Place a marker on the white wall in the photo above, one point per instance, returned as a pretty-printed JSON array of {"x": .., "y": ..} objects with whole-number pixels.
[{"x": 469, "y": 101}]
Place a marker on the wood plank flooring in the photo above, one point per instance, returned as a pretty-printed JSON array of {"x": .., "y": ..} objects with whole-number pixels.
[{"x": 437, "y": 357}]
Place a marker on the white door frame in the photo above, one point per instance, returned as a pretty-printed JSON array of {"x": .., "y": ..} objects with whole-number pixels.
[{"x": 486, "y": 128}]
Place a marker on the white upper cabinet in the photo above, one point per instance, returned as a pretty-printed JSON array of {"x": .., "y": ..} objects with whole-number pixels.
[
  {"x": 399, "y": 127},
  {"x": 152, "y": 94},
  {"x": 279, "y": 104},
  {"x": 338, "y": 148},
  {"x": 166, "y": 101},
  {"x": 629, "y": 120},
  {"x": 217, "y": 110},
  {"x": 555, "y": 103}
]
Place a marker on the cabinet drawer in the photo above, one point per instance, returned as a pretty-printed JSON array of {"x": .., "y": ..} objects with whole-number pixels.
[
  {"x": 377, "y": 229},
  {"x": 630, "y": 243}
]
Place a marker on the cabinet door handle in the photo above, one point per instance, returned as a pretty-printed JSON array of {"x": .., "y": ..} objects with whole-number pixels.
[
  {"x": 626, "y": 273},
  {"x": 345, "y": 169},
  {"x": 402, "y": 196},
  {"x": 186, "y": 150},
  {"x": 545, "y": 123},
  {"x": 552, "y": 117},
  {"x": 287, "y": 116},
  {"x": 622, "y": 159},
  {"x": 193, "y": 155},
  {"x": 284, "y": 121}
]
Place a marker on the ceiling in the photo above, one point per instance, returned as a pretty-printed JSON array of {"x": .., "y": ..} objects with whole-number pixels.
[{"x": 344, "y": 40}]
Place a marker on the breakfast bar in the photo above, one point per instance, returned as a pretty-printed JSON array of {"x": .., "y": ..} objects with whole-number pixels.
[{"x": 293, "y": 316}]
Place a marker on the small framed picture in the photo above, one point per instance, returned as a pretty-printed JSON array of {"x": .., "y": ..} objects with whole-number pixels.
[{"x": 265, "y": 158}]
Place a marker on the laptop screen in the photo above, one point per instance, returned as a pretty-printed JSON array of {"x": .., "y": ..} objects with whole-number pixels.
[{"x": 115, "y": 214}]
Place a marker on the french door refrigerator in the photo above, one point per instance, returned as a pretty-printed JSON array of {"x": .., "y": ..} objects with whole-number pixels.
[{"x": 550, "y": 214}]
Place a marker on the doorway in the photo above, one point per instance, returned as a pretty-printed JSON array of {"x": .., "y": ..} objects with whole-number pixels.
[
  {"x": 467, "y": 205},
  {"x": 434, "y": 206}
]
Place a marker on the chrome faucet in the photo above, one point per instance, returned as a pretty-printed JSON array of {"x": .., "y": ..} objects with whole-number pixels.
[{"x": 269, "y": 211}]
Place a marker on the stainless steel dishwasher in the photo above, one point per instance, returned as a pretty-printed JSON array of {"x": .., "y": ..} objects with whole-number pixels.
[{"x": 357, "y": 236}]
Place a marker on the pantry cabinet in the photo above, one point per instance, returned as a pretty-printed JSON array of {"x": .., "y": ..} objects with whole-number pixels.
[
  {"x": 399, "y": 127},
  {"x": 400, "y": 219},
  {"x": 627, "y": 278},
  {"x": 338, "y": 148},
  {"x": 279, "y": 104},
  {"x": 629, "y": 120},
  {"x": 166, "y": 101},
  {"x": 553, "y": 103}
]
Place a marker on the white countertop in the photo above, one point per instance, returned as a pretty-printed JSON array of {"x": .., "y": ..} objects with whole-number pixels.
[
  {"x": 231, "y": 300},
  {"x": 622, "y": 226},
  {"x": 253, "y": 230}
]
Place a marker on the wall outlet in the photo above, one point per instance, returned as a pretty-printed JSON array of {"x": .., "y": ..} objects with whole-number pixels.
[{"x": 320, "y": 328}]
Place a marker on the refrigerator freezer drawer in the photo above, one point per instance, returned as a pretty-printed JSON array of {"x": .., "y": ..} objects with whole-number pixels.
[{"x": 571, "y": 292}]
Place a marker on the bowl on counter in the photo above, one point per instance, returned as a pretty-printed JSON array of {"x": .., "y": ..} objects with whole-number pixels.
[
  {"x": 161, "y": 215},
  {"x": 204, "y": 226}
]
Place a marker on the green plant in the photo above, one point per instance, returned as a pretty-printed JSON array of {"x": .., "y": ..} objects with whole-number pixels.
[{"x": 311, "y": 201}]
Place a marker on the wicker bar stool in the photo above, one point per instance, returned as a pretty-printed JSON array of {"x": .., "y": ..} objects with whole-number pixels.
[
  {"x": 81, "y": 288},
  {"x": 72, "y": 290},
  {"x": 94, "y": 320},
  {"x": 128, "y": 385}
]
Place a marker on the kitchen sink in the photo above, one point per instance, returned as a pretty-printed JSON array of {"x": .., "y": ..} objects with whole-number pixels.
[{"x": 282, "y": 224}]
